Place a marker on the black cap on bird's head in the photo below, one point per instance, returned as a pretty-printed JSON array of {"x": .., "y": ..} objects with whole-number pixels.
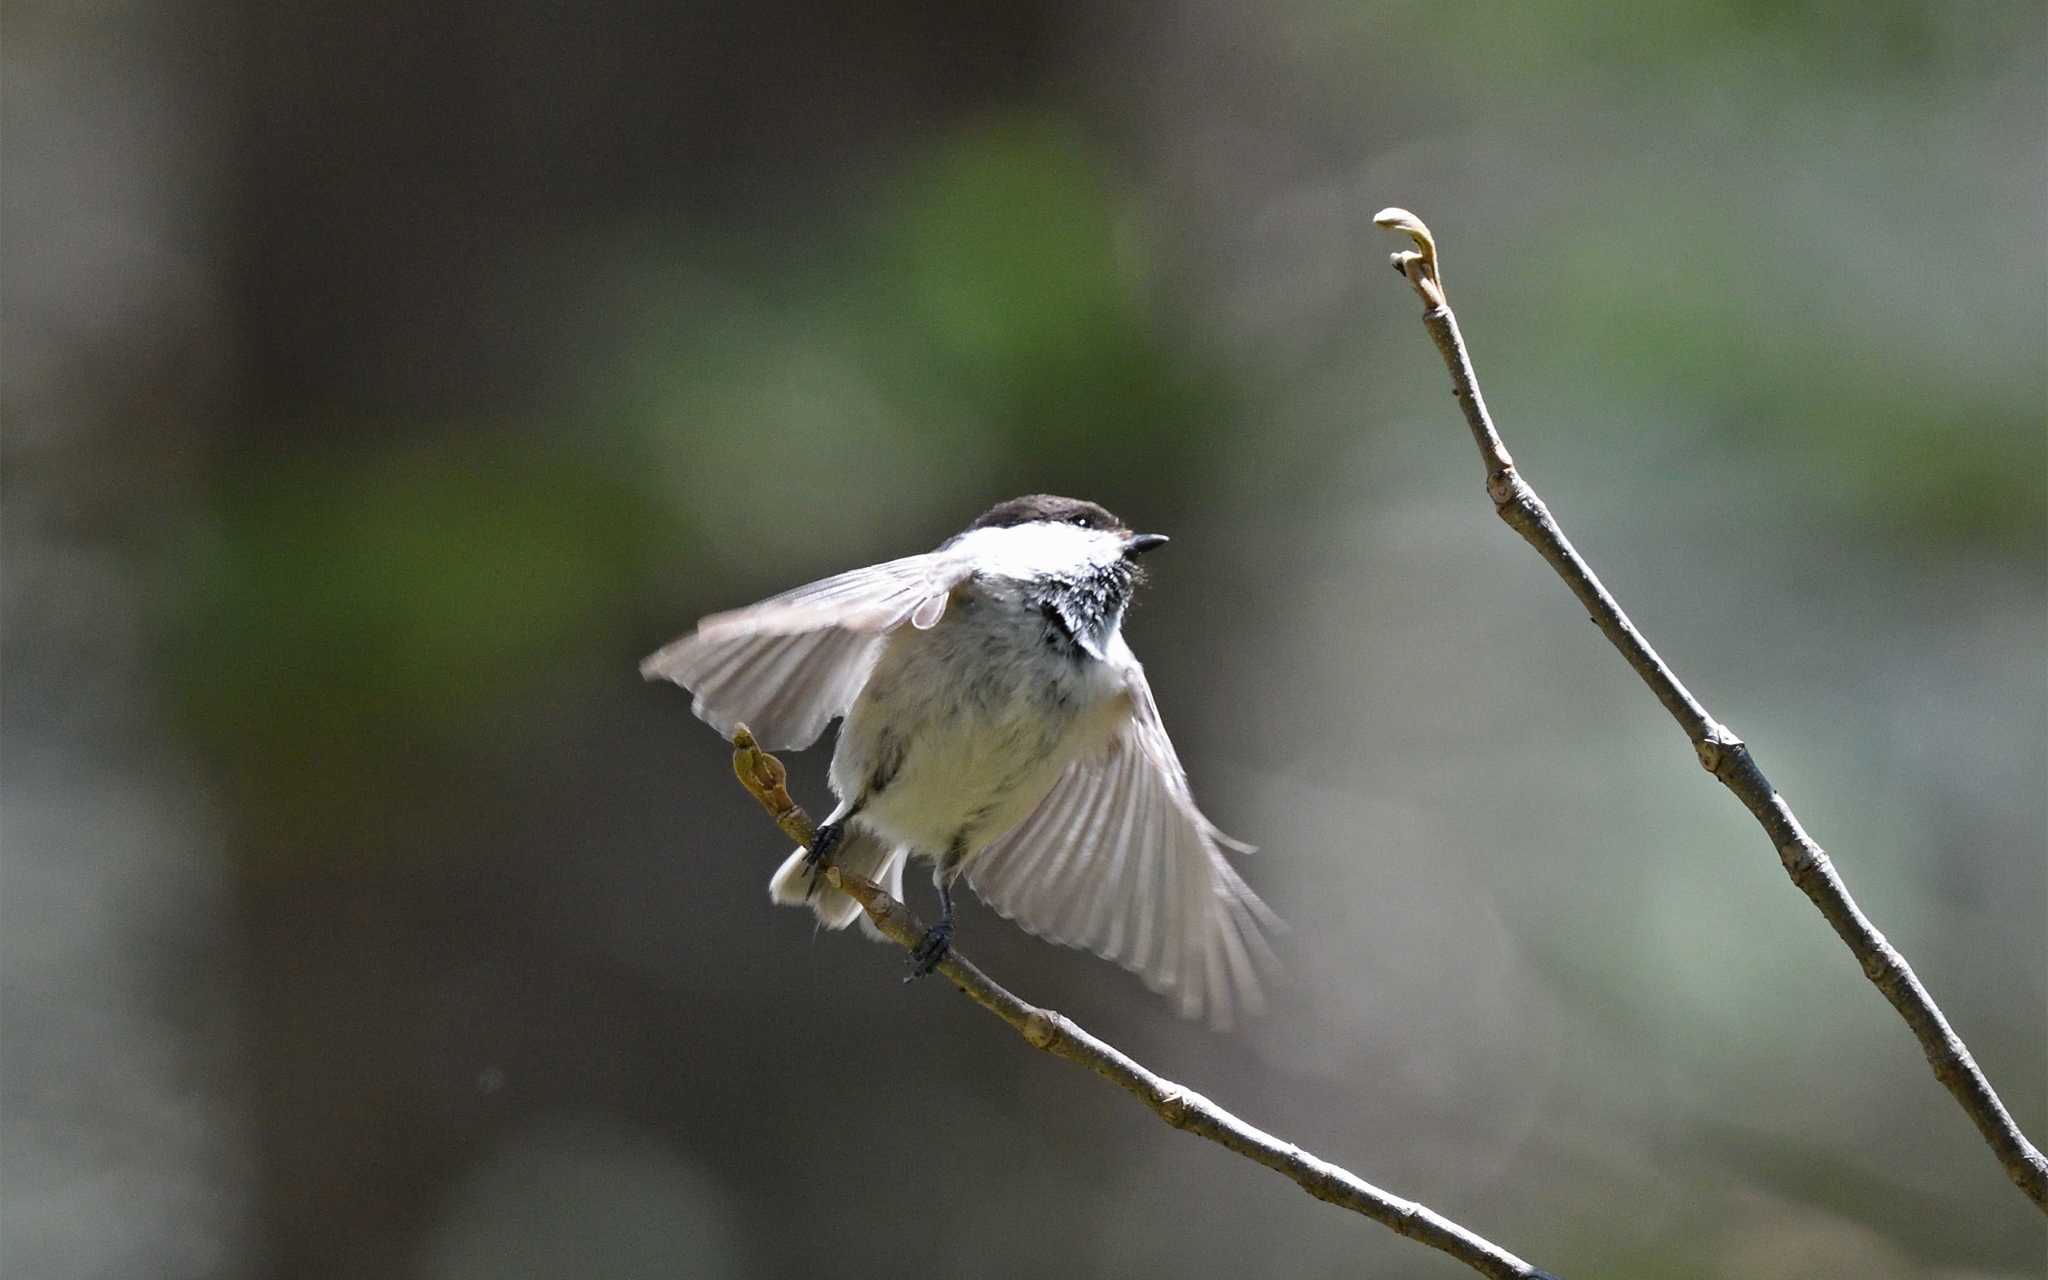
[{"x": 1052, "y": 509}]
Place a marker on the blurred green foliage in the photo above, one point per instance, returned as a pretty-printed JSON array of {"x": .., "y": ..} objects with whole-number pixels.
[
  {"x": 353, "y": 616},
  {"x": 1922, "y": 447},
  {"x": 1487, "y": 46},
  {"x": 1023, "y": 273},
  {"x": 982, "y": 324},
  {"x": 762, "y": 301}
]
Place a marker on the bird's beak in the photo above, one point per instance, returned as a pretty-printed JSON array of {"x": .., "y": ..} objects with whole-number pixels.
[{"x": 1140, "y": 543}]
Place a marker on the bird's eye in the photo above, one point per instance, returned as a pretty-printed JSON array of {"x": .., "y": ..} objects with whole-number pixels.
[{"x": 1079, "y": 520}]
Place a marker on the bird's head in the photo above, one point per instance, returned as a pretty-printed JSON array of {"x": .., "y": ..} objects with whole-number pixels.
[{"x": 1044, "y": 535}]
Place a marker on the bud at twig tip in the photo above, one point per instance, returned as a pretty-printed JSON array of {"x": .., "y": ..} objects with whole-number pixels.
[{"x": 1424, "y": 254}]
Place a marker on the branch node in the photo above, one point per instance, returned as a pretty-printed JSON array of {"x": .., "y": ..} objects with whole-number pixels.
[
  {"x": 1042, "y": 1029},
  {"x": 1802, "y": 860},
  {"x": 1880, "y": 965},
  {"x": 1174, "y": 1107},
  {"x": 1717, "y": 747},
  {"x": 1504, "y": 484}
]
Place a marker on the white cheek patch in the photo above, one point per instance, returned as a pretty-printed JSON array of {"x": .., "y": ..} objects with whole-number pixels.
[{"x": 1040, "y": 549}]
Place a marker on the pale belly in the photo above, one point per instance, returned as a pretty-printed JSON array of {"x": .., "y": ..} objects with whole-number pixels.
[{"x": 963, "y": 729}]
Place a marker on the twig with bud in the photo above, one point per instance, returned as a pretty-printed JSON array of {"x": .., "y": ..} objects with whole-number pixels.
[
  {"x": 1720, "y": 751},
  {"x": 768, "y": 782}
]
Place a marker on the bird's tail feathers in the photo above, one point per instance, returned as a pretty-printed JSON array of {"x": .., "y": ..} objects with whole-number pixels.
[{"x": 860, "y": 853}]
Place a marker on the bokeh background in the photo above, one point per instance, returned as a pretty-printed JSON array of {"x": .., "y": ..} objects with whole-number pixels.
[{"x": 383, "y": 380}]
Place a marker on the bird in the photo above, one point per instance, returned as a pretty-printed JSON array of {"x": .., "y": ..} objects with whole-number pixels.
[{"x": 995, "y": 723}]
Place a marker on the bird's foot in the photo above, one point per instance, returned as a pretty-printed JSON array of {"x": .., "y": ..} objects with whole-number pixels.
[
  {"x": 931, "y": 950},
  {"x": 819, "y": 855}
]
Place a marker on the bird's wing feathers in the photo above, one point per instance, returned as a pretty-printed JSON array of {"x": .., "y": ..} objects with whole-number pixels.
[
  {"x": 791, "y": 664},
  {"x": 1117, "y": 859}
]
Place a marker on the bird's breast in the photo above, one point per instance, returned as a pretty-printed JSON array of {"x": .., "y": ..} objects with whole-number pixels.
[{"x": 967, "y": 725}]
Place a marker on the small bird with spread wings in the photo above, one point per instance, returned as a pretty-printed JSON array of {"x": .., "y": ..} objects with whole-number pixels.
[{"x": 996, "y": 724}]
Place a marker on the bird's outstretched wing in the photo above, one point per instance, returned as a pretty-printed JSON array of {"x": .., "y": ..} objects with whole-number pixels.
[
  {"x": 791, "y": 664},
  {"x": 1117, "y": 859}
]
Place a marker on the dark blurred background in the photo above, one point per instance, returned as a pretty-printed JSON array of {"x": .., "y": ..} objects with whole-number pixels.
[{"x": 382, "y": 381}]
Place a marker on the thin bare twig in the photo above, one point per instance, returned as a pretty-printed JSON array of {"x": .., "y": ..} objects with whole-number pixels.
[
  {"x": 765, "y": 778},
  {"x": 1722, "y": 753}
]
